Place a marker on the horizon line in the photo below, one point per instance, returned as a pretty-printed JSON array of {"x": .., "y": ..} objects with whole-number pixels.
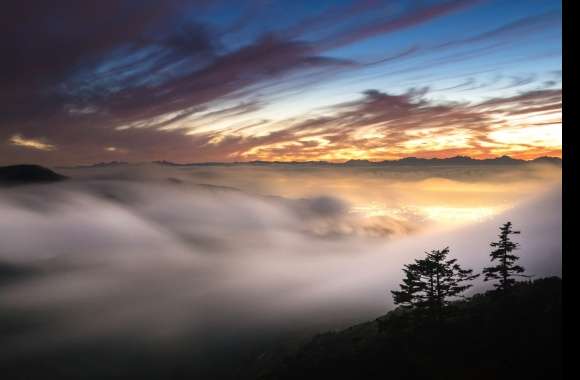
[{"x": 325, "y": 162}]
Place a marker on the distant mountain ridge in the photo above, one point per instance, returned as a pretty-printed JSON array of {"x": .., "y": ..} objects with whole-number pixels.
[
  {"x": 98, "y": 165},
  {"x": 407, "y": 161}
]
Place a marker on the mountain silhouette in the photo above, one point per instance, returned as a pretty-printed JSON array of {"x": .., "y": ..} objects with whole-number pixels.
[
  {"x": 407, "y": 161},
  {"x": 27, "y": 174}
]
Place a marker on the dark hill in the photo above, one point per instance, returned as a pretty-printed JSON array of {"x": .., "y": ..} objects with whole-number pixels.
[
  {"x": 27, "y": 174},
  {"x": 518, "y": 336}
]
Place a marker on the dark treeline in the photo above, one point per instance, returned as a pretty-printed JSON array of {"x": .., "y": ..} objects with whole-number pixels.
[{"x": 431, "y": 282}]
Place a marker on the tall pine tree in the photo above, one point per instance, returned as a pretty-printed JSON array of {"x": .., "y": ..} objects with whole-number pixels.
[
  {"x": 506, "y": 267},
  {"x": 430, "y": 282}
]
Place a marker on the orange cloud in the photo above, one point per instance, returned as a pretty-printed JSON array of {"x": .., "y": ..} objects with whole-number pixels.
[{"x": 382, "y": 126}]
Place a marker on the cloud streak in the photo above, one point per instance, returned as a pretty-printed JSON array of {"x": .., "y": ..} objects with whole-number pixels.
[{"x": 30, "y": 143}]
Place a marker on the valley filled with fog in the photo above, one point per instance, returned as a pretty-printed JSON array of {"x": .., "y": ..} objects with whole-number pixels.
[{"x": 156, "y": 252}]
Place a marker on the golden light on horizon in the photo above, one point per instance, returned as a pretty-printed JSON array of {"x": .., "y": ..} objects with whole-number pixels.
[
  {"x": 442, "y": 215},
  {"x": 522, "y": 138}
]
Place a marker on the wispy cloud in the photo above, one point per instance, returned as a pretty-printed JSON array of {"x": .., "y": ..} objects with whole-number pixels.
[{"x": 18, "y": 140}]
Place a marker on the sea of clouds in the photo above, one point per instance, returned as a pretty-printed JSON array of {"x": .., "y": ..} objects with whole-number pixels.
[{"x": 156, "y": 253}]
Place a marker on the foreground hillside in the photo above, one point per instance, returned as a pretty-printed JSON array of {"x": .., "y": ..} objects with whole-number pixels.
[
  {"x": 486, "y": 337},
  {"x": 517, "y": 336}
]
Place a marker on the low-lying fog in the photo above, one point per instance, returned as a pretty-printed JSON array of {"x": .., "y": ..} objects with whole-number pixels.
[{"x": 156, "y": 252}]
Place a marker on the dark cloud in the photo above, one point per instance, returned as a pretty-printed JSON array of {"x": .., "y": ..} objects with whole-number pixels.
[
  {"x": 469, "y": 83},
  {"x": 518, "y": 28},
  {"x": 408, "y": 18}
]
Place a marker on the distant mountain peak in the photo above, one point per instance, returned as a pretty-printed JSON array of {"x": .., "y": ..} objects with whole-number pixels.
[
  {"x": 357, "y": 162},
  {"x": 108, "y": 164}
]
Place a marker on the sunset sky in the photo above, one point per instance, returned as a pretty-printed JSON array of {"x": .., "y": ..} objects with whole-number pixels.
[{"x": 196, "y": 81}]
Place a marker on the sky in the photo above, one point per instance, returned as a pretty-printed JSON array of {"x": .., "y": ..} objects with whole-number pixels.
[{"x": 199, "y": 81}]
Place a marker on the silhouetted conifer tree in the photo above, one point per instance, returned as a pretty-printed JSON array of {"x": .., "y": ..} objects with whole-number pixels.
[
  {"x": 431, "y": 281},
  {"x": 506, "y": 267}
]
